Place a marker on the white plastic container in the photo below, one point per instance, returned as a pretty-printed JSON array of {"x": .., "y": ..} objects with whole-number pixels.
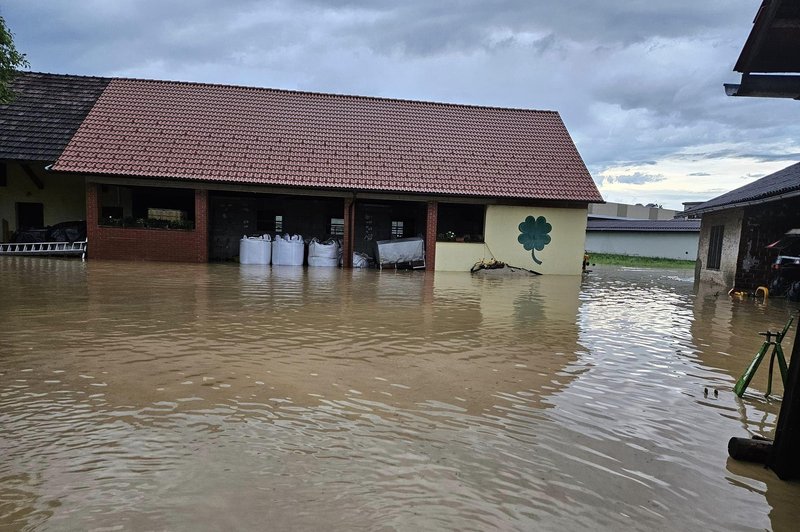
[
  {"x": 324, "y": 255},
  {"x": 288, "y": 250},
  {"x": 255, "y": 250}
]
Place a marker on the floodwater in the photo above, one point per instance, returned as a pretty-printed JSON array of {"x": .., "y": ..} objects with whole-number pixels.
[{"x": 215, "y": 397}]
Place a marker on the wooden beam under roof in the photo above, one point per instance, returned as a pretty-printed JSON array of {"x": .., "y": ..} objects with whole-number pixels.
[{"x": 32, "y": 175}]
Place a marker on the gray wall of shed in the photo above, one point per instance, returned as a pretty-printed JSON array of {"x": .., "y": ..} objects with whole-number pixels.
[{"x": 666, "y": 245}]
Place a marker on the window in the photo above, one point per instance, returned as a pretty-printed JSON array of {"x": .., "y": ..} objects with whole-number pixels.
[
  {"x": 3, "y": 174},
  {"x": 111, "y": 212},
  {"x": 268, "y": 222},
  {"x": 337, "y": 227},
  {"x": 460, "y": 222},
  {"x": 146, "y": 207},
  {"x": 715, "y": 247},
  {"x": 397, "y": 229}
]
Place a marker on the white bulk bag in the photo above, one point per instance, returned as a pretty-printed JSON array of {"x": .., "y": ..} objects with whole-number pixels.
[
  {"x": 288, "y": 250},
  {"x": 255, "y": 250},
  {"x": 360, "y": 260},
  {"x": 323, "y": 254}
]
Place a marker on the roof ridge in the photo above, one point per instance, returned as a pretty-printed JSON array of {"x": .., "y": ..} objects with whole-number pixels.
[
  {"x": 57, "y": 75},
  {"x": 335, "y": 95}
]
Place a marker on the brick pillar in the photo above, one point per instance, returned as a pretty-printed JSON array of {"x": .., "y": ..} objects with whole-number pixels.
[
  {"x": 348, "y": 244},
  {"x": 430, "y": 236},
  {"x": 92, "y": 216},
  {"x": 201, "y": 224}
]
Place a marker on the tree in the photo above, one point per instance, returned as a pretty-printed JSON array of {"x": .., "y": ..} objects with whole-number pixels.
[{"x": 10, "y": 61}]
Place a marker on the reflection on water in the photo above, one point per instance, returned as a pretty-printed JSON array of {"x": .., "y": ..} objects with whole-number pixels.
[{"x": 152, "y": 396}]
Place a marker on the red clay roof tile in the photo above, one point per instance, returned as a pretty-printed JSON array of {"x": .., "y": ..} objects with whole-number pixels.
[{"x": 221, "y": 133}]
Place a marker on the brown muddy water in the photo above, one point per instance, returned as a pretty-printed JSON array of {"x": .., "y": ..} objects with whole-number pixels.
[{"x": 210, "y": 397}]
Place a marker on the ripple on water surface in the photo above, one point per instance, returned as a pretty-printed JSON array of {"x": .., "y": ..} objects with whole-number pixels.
[{"x": 211, "y": 396}]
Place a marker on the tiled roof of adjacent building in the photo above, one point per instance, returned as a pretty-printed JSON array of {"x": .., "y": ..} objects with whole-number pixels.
[
  {"x": 46, "y": 112},
  {"x": 220, "y": 133},
  {"x": 768, "y": 188},
  {"x": 656, "y": 226}
]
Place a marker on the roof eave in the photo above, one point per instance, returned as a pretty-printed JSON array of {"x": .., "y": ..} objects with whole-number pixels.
[
  {"x": 766, "y": 86},
  {"x": 209, "y": 183},
  {"x": 738, "y": 204}
]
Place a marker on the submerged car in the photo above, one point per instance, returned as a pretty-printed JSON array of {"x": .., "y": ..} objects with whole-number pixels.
[{"x": 785, "y": 272}]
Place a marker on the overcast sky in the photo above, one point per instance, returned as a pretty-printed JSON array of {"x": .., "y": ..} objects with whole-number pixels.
[{"x": 637, "y": 82}]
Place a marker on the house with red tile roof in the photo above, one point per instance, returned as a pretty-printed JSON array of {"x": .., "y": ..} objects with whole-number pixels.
[{"x": 180, "y": 171}]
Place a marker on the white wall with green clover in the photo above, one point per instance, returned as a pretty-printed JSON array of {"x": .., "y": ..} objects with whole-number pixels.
[{"x": 544, "y": 239}]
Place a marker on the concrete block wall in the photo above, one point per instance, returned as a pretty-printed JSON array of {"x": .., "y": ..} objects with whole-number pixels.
[{"x": 731, "y": 219}]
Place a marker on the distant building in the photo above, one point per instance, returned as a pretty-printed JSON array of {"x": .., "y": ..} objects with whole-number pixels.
[
  {"x": 640, "y": 230},
  {"x": 668, "y": 239},
  {"x": 611, "y": 210}
]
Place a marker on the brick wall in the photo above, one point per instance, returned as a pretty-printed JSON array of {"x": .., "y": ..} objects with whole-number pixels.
[
  {"x": 170, "y": 245},
  {"x": 349, "y": 233},
  {"x": 430, "y": 236}
]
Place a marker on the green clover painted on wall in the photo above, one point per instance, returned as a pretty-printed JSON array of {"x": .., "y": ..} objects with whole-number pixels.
[{"x": 534, "y": 235}]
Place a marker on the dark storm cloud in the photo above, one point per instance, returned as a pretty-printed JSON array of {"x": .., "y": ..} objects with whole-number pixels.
[
  {"x": 203, "y": 31},
  {"x": 760, "y": 156}
]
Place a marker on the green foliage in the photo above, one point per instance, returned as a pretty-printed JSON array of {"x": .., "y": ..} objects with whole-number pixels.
[
  {"x": 10, "y": 61},
  {"x": 610, "y": 259},
  {"x": 534, "y": 235}
]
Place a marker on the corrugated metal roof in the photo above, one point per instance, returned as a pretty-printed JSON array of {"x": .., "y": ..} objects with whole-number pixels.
[
  {"x": 768, "y": 188},
  {"x": 221, "y": 133},
  {"x": 656, "y": 226},
  {"x": 46, "y": 112}
]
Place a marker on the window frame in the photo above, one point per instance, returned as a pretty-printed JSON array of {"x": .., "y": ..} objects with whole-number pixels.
[{"x": 716, "y": 237}]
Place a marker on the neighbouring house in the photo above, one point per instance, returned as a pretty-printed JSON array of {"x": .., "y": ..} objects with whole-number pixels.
[
  {"x": 770, "y": 67},
  {"x": 738, "y": 226},
  {"x": 34, "y": 130},
  {"x": 669, "y": 239},
  {"x": 180, "y": 171}
]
